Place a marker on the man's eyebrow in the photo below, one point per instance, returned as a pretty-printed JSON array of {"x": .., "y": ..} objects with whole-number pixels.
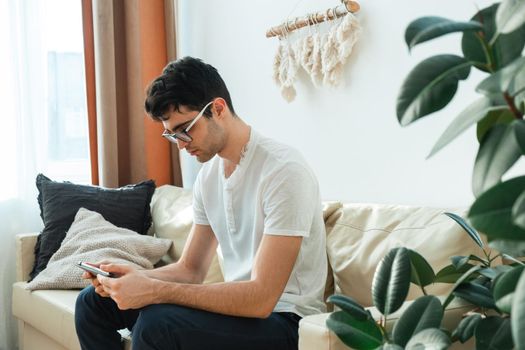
[{"x": 179, "y": 125}]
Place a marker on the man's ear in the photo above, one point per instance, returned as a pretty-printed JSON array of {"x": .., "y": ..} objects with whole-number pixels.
[{"x": 220, "y": 106}]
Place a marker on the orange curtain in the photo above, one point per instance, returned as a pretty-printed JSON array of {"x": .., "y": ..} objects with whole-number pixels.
[
  {"x": 89, "y": 63},
  {"x": 127, "y": 43}
]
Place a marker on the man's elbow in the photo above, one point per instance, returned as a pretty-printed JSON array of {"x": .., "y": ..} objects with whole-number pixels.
[
  {"x": 265, "y": 308},
  {"x": 263, "y": 313}
]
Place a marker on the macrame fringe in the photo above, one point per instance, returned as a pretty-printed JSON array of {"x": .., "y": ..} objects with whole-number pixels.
[{"x": 322, "y": 57}]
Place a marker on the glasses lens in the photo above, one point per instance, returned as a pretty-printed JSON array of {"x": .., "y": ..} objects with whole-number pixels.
[
  {"x": 183, "y": 136},
  {"x": 177, "y": 136}
]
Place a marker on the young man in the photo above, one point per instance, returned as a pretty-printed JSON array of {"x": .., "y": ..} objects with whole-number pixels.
[{"x": 255, "y": 198}]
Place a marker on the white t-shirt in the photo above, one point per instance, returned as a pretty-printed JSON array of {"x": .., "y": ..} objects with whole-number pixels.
[{"x": 272, "y": 191}]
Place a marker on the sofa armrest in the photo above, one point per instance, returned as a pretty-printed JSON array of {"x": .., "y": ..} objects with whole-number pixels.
[
  {"x": 25, "y": 254},
  {"x": 314, "y": 335}
]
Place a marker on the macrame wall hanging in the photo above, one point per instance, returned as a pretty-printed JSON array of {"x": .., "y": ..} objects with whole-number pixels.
[{"x": 321, "y": 55}]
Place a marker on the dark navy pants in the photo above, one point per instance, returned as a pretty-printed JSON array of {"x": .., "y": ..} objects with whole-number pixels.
[{"x": 173, "y": 327}]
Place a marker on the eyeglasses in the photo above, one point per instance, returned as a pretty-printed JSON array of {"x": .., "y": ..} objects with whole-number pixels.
[{"x": 183, "y": 135}]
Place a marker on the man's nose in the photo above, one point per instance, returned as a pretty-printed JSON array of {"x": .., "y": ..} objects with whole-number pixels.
[{"x": 181, "y": 144}]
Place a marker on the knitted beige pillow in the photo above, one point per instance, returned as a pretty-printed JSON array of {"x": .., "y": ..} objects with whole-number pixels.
[{"x": 91, "y": 238}]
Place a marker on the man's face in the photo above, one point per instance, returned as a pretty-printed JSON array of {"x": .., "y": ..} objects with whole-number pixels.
[{"x": 207, "y": 136}]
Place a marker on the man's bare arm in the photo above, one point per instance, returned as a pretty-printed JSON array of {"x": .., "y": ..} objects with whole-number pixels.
[{"x": 257, "y": 297}]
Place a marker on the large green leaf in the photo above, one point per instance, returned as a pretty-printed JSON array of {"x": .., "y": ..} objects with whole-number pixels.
[
  {"x": 501, "y": 81},
  {"x": 460, "y": 260},
  {"x": 518, "y": 211},
  {"x": 422, "y": 273},
  {"x": 499, "y": 150},
  {"x": 430, "y": 86},
  {"x": 354, "y": 333},
  {"x": 427, "y": 28},
  {"x": 491, "y": 212},
  {"x": 464, "y": 277},
  {"x": 389, "y": 346},
  {"x": 475, "y": 112},
  {"x": 518, "y": 314},
  {"x": 425, "y": 312},
  {"x": 391, "y": 281},
  {"x": 350, "y": 306},
  {"x": 517, "y": 90},
  {"x": 469, "y": 229},
  {"x": 511, "y": 258},
  {"x": 430, "y": 338},
  {"x": 467, "y": 327},
  {"x": 449, "y": 274},
  {"x": 514, "y": 248},
  {"x": 476, "y": 294},
  {"x": 510, "y": 15},
  {"x": 505, "y": 303},
  {"x": 494, "y": 332},
  {"x": 505, "y": 49},
  {"x": 493, "y": 272},
  {"x": 519, "y": 129},
  {"x": 504, "y": 286},
  {"x": 498, "y": 116}
]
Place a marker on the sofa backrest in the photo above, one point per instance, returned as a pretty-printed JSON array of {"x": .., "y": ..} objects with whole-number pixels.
[
  {"x": 172, "y": 214},
  {"x": 360, "y": 235}
]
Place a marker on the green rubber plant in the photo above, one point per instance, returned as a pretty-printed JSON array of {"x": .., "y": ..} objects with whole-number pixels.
[
  {"x": 492, "y": 42},
  {"x": 488, "y": 289},
  {"x": 419, "y": 325}
]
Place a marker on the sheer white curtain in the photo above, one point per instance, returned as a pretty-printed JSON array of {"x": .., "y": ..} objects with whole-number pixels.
[
  {"x": 22, "y": 99},
  {"x": 24, "y": 48}
]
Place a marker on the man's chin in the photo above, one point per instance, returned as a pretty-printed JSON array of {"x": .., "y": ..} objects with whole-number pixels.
[{"x": 203, "y": 158}]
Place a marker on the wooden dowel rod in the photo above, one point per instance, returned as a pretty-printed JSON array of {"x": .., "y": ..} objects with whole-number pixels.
[{"x": 313, "y": 18}]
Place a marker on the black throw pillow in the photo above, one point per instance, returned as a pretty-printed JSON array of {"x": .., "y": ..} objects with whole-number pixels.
[{"x": 127, "y": 207}]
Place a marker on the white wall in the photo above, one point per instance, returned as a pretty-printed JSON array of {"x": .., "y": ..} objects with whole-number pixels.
[{"x": 349, "y": 135}]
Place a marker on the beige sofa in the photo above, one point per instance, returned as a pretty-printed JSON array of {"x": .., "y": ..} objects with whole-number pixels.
[{"x": 358, "y": 236}]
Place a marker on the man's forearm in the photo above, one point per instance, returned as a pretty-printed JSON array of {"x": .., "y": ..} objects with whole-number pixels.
[
  {"x": 246, "y": 299},
  {"x": 176, "y": 272}
]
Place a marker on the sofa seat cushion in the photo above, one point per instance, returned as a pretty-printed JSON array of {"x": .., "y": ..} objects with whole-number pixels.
[
  {"x": 360, "y": 235},
  {"x": 49, "y": 311},
  {"x": 52, "y": 312}
]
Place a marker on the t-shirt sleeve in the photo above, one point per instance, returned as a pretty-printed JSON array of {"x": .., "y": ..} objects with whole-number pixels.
[
  {"x": 199, "y": 213},
  {"x": 290, "y": 201}
]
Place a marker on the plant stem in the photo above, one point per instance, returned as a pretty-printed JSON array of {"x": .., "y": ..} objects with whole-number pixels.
[
  {"x": 488, "y": 261},
  {"x": 510, "y": 101},
  {"x": 494, "y": 258},
  {"x": 487, "y": 49},
  {"x": 383, "y": 329},
  {"x": 423, "y": 290}
]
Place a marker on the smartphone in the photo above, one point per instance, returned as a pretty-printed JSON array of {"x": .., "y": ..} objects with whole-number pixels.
[{"x": 93, "y": 269}]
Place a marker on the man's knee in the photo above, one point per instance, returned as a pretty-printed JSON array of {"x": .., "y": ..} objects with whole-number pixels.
[
  {"x": 157, "y": 328},
  {"x": 86, "y": 297},
  {"x": 84, "y": 307}
]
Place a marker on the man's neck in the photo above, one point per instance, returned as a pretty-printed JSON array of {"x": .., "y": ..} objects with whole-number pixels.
[{"x": 238, "y": 137}]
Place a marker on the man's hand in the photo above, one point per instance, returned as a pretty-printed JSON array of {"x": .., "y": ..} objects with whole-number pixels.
[
  {"x": 133, "y": 289},
  {"x": 94, "y": 282}
]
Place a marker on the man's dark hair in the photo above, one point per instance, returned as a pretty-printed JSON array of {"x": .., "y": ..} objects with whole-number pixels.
[{"x": 185, "y": 82}]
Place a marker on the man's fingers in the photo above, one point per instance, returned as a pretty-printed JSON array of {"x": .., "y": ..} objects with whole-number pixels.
[
  {"x": 100, "y": 291},
  {"x": 116, "y": 268},
  {"x": 87, "y": 276}
]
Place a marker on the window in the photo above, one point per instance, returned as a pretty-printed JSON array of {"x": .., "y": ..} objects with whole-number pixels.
[
  {"x": 68, "y": 146},
  {"x": 44, "y": 113}
]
